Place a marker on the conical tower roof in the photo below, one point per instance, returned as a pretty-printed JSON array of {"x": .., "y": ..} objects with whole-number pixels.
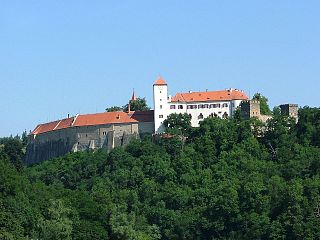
[
  {"x": 133, "y": 98},
  {"x": 160, "y": 81}
]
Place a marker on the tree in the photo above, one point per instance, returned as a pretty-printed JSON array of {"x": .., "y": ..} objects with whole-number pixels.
[
  {"x": 14, "y": 149},
  {"x": 308, "y": 127},
  {"x": 264, "y": 107},
  {"x": 178, "y": 123},
  {"x": 58, "y": 225},
  {"x": 140, "y": 104},
  {"x": 114, "y": 109}
]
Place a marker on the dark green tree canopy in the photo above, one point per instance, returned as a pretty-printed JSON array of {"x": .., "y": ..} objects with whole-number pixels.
[
  {"x": 140, "y": 104},
  {"x": 226, "y": 181},
  {"x": 178, "y": 123},
  {"x": 264, "y": 106},
  {"x": 114, "y": 109}
]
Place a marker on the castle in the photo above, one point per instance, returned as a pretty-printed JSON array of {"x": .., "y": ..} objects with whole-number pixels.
[{"x": 112, "y": 129}]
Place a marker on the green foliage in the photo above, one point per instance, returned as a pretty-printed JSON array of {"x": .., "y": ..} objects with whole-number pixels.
[
  {"x": 57, "y": 224},
  {"x": 178, "y": 123},
  {"x": 114, "y": 109},
  {"x": 230, "y": 179},
  {"x": 140, "y": 104},
  {"x": 264, "y": 107},
  {"x": 13, "y": 148},
  {"x": 308, "y": 127}
]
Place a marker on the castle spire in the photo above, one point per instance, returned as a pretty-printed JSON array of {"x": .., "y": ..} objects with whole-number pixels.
[{"x": 133, "y": 98}]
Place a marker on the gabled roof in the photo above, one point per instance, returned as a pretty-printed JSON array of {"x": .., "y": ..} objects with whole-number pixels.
[
  {"x": 47, "y": 127},
  {"x": 223, "y": 95},
  {"x": 95, "y": 119},
  {"x": 160, "y": 81}
]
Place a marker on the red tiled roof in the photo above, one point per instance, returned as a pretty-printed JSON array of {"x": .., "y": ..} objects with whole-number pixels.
[
  {"x": 95, "y": 119},
  {"x": 160, "y": 81},
  {"x": 65, "y": 123},
  {"x": 223, "y": 95},
  {"x": 47, "y": 127}
]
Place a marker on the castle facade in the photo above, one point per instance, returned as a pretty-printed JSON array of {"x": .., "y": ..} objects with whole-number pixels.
[
  {"x": 199, "y": 105},
  {"x": 112, "y": 129}
]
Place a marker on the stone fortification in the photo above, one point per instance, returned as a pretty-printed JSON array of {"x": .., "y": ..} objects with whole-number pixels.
[
  {"x": 251, "y": 109},
  {"x": 83, "y": 132}
]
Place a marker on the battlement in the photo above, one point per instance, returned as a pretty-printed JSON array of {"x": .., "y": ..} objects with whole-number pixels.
[{"x": 251, "y": 108}]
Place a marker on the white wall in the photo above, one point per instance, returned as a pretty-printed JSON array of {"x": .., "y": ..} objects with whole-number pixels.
[
  {"x": 206, "y": 112},
  {"x": 160, "y": 100}
]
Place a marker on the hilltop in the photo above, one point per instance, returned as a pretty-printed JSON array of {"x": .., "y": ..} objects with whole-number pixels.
[{"x": 222, "y": 180}]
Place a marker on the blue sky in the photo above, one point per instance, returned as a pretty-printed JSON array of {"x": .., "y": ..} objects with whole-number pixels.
[{"x": 59, "y": 57}]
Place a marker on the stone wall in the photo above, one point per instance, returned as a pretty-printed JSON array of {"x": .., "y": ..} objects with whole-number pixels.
[
  {"x": 251, "y": 108},
  {"x": 59, "y": 142}
]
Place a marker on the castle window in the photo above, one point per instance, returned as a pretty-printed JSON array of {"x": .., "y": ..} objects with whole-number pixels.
[
  {"x": 160, "y": 116},
  {"x": 225, "y": 105},
  {"x": 160, "y": 92},
  {"x": 200, "y": 116},
  {"x": 192, "y": 107},
  {"x": 225, "y": 115},
  {"x": 172, "y": 106},
  {"x": 180, "y": 106},
  {"x": 160, "y": 99},
  {"x": 205, "y": 105},
  {"x": 217, "y": 105},
  {"x": 160, "y": 106}
]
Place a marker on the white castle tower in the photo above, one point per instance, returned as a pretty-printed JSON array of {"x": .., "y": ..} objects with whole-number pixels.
[{"x": 160, "y": 101}]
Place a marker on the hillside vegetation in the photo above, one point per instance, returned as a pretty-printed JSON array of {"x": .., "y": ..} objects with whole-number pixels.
[{"x": 227, "y": 179}]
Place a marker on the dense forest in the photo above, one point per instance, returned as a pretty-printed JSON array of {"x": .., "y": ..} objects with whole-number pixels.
[{"x": 227, "y": 179}]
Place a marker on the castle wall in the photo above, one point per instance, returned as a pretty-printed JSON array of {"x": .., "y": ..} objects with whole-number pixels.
[{"x": 59, "y": 142}]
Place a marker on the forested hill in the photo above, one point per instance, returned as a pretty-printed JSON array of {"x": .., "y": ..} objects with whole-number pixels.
[{"x": 227, "y": 179}]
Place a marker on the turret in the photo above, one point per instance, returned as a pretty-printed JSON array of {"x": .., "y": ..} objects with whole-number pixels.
[
  {"x": 160, "y": 101},
  {"x": 133, "y": 98}
]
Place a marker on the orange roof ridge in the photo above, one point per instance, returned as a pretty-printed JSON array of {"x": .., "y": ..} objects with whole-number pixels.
[
  {"x": 57, "y": 124},
  {"x": 221, "y": 95},
  {"x": 160, "y": 81},
  {"x": 118, "y": 117}
]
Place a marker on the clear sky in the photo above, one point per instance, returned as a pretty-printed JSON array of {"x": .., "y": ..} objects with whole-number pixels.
[{"x": 59, "y": 57}]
